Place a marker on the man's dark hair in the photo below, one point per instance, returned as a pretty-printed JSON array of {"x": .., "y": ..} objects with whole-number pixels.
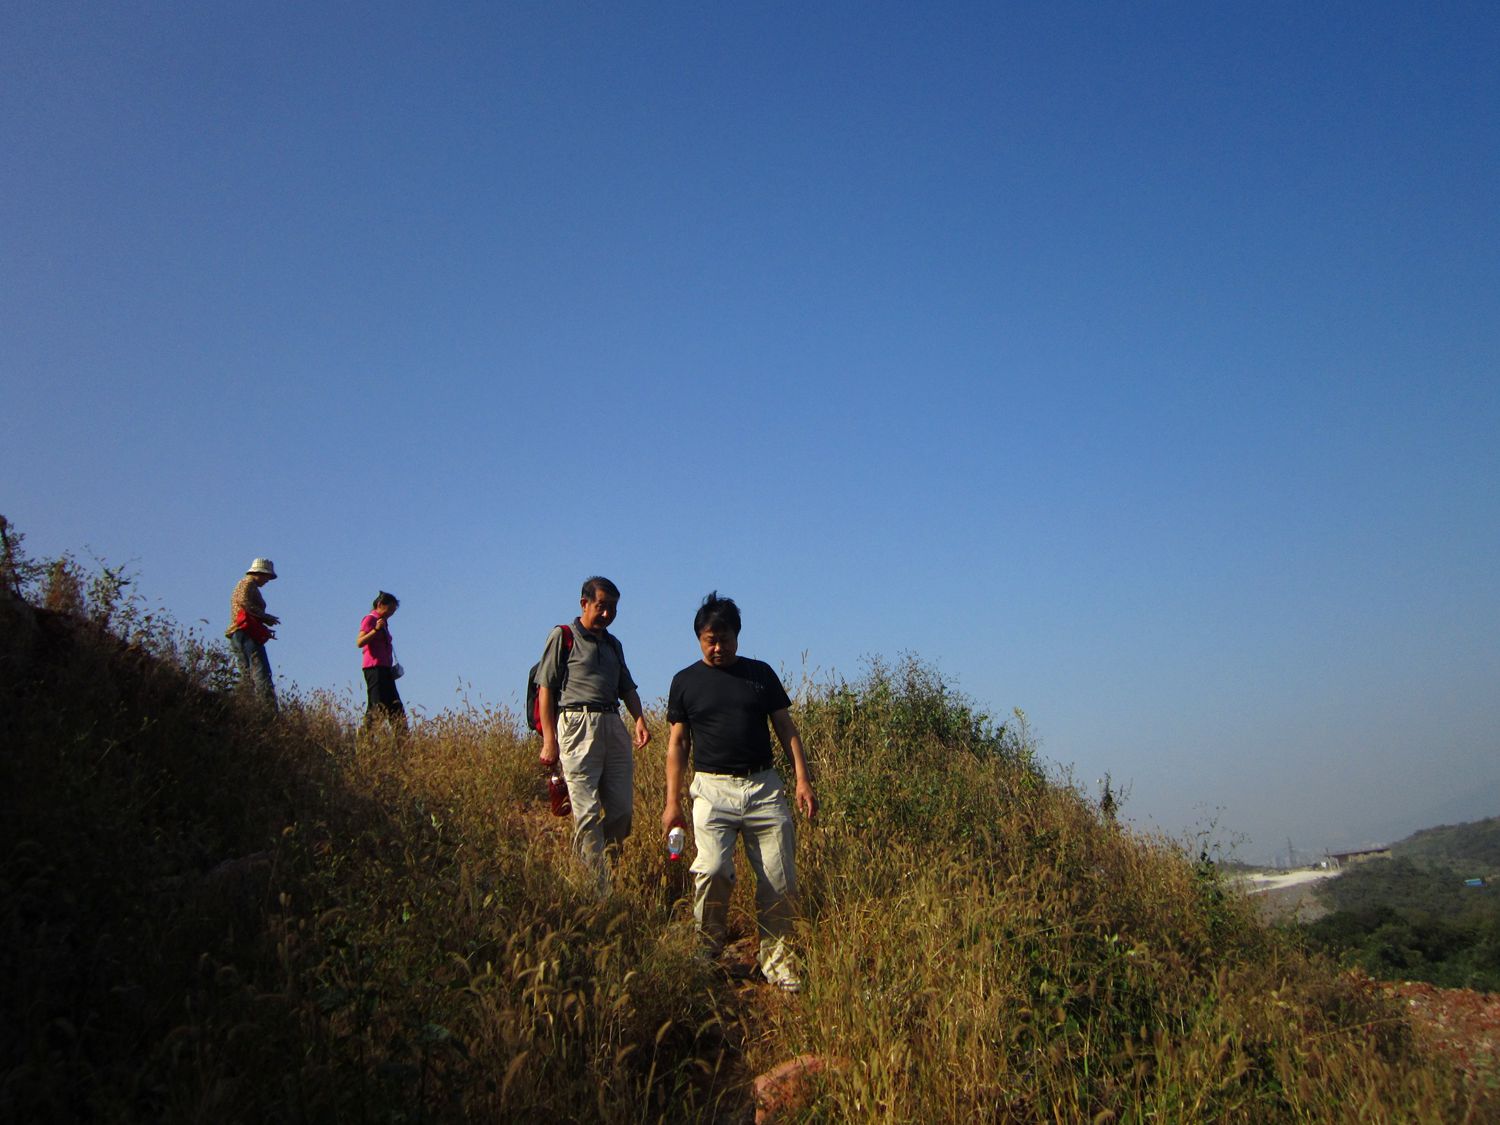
[
  {"x": 383, "y": 598},
  {"x": 592, "y": 587},
  {"x": 718, "y": 614}
]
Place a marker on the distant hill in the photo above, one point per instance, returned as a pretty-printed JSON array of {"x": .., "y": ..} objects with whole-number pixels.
[
  {"x": 1415, "y": 916},
  {"x": 1473, "y": 848},
  {"x": 1426, "y": 874},
  {"x": 1480, "y": 798}
]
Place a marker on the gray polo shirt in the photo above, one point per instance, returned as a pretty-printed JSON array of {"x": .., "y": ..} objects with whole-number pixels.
[{"x": 596, "y": 668}]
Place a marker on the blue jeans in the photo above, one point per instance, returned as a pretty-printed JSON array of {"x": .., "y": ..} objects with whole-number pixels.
[{"x": 253, "y": 663}]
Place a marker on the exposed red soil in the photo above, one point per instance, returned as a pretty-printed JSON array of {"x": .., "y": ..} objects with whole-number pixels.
[{"x": 1458, "y": 1024}]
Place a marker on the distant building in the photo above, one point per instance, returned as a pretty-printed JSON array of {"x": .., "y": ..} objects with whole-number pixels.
[{"x": 1346, "y": 859}]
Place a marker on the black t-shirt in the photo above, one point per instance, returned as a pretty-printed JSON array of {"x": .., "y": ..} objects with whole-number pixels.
[{"x": 726, "y": 711}]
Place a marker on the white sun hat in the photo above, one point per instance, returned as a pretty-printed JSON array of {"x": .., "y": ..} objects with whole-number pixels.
[{"x": 262, "y": 566}]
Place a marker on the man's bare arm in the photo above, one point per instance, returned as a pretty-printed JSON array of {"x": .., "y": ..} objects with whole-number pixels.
[
  {"x": 633, "y": 705},
  {"x": 791, "y": 741},
  {"x": 546, "y": 707},
  {"x": 679, "y": 741}
]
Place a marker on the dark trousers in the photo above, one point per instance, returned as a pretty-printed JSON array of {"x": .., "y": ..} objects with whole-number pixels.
[
  {"x": 384, "y": 699},
  {"x": 254, "y": 666}
]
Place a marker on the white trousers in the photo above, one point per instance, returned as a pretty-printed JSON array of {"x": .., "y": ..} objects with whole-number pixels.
[
  {"x": 754, "y": 809},
  {"x": 599, "y": 766}
]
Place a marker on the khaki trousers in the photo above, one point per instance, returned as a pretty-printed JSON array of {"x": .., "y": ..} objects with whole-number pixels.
[
  {"x": 599, "y": 766},
  {"x": 754, "y": 809}
]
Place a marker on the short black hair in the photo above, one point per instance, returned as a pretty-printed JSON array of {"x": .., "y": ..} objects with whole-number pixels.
[
  {"x": 717, "y": 613},
  {"x": 383, "y": 598},
  {"x": 598, "y": 584}
]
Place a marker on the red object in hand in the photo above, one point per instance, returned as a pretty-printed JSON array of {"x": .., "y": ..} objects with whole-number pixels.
[
  {"x": 259, "y": 631},
  {"x": 557, "y": 790}
]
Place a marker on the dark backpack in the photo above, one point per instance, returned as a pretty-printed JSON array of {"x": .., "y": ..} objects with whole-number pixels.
[{"x": 533, "y": 706}]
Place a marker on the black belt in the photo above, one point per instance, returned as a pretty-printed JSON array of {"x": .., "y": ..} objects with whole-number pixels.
[
  {"x": 594, "y": 708},
  {"x": 748, "y": 771}
]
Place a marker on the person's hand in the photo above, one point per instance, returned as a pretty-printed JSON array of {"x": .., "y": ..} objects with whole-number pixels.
[
  {"x": 549, "y": 755},
  {"x": 271, "y": 619},
  {"x": 671, "y": 817},
  {"x": 642, "y": 732},
  {"x": 805, "y": 800},
  {"x": 379, "y": 624}
]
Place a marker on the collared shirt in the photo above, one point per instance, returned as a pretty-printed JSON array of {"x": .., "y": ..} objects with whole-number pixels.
[
  {"x": 596, "y": 668},
  {"x": 246, "y": 596}
]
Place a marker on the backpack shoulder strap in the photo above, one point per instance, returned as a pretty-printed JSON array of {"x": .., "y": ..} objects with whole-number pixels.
[{"x": 567, "y": 649}]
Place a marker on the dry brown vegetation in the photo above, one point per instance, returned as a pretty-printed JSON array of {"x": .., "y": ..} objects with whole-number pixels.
[{"x": 208, "y": 916}]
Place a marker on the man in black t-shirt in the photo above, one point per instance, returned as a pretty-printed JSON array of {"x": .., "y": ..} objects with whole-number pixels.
[{"x": 718, "y": 709}]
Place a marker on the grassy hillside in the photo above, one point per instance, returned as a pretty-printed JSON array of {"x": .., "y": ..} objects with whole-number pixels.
[{"x": 211, "y": 917}]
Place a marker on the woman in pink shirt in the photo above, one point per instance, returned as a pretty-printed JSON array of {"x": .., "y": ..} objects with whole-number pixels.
[{"x": 380, "y": 663}]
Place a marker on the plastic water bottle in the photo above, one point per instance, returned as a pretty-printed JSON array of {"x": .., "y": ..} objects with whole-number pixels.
[
  {"x": 557, "y": 792},
  {"x": 676, "y": 841}
]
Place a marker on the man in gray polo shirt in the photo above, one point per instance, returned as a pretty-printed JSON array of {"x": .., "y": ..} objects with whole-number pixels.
[{"x": 579, "y": 689}]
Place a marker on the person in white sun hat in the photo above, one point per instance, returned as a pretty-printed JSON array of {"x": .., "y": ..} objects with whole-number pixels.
[{"x": 250, "y": 628}]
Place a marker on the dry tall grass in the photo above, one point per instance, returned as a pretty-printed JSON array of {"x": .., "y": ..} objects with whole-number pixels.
[{"x": 209, "y": 917}]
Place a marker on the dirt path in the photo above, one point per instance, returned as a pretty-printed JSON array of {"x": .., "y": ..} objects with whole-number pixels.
[{"x": 1286, "y": 897}]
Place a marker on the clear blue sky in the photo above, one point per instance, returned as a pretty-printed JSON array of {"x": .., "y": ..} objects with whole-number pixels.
[{"x": 1135, "y": 364}]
